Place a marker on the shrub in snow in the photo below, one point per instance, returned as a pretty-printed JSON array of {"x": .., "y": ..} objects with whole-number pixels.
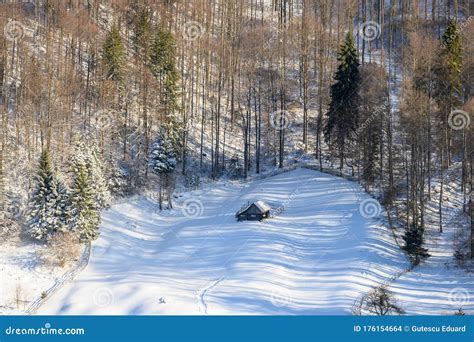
[
  {"x": 379, "y": 301},
  {"x": 461, "y": 255},
  {"x": 63, "y": 249},
  {"x": 19, "y": 296},
  {"x": 192, "y": 181}
]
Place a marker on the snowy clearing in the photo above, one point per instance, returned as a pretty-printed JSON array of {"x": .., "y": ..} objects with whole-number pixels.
[
  {"x": 24, "y": 278},
  {"x": 317, "y": 256}
]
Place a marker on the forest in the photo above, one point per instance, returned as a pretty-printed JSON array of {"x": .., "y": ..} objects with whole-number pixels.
[{"x": 101, "y": 100}]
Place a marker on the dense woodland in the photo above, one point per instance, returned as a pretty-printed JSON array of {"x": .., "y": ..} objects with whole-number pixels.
[{"x": 104, "y": 98}]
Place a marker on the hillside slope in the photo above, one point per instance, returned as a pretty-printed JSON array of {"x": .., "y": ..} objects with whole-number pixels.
[{"x": 314, "y": 257}]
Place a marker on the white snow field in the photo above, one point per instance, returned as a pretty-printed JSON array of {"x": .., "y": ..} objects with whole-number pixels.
[{"x": 317, "y": 256}]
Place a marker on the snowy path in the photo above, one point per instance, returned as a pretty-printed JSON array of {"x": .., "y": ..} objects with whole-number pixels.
[{"x": 317, "y": 257}]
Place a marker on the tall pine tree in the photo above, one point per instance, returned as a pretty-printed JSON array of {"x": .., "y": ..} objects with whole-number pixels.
[
  {"x": 448, "y": 84},
  {"x": 163, "y": 67},
  {"x": 343, "y": 113},
  {"x": 114, "y": 55}
]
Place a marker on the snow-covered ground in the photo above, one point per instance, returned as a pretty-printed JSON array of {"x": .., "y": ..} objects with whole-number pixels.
[
  {"x": 23, "y": 276},
  {"x": 439, "y": 285},
  {"x": 317, "y": 256}
]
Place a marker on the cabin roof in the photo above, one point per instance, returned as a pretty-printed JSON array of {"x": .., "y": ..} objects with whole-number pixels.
[{"x": 261, "y": 205}]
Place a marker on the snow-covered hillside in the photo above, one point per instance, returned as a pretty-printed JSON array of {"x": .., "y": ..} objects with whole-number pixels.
[{"x": 317, "y": 256}]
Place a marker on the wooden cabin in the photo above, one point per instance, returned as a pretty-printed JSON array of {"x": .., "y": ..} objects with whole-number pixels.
[{"x": 256, "y": 211}]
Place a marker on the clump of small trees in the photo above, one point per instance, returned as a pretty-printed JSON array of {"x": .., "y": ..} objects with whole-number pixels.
[
  {"x": 58, "y": 209},
  {"x": 379, "y": 301}
]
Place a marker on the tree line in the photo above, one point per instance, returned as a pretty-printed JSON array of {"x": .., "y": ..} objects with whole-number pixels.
[{"x": 226, "y": 88}]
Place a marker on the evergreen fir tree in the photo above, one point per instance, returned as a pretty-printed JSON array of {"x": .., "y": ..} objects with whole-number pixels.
[
  {"x": 84, "y": 217},
  {"x": 88, "y": 156},
  {"x": 174, "y": 133},
  {"x": 162, "y": 161},
  {"x": 100, "y": 185},
  {"x": 162, "y": 158},
  {"x": 448, "y": 81},
  {"x": 64, "y": 203},
  {"x": 414, "y": 244},
  {"x": 163, "y": 66},
  {"x": 114, "y": 55},
  {"x": 117, "y": 178},
  {"x": 449, "y": 88},
  {"x": 142, "y": 31},
  {"x": 343, "y": 113},
  {"x": 46, "y": 211}
]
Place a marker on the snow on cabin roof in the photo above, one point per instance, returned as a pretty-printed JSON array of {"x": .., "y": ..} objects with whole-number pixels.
[{"x": 261, "y": 205}]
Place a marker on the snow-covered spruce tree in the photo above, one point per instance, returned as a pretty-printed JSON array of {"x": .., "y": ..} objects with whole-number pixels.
[
  {"x": 343, "y": 113},
  {"x": 117, "y": 178},
  {"x": 84, "y": 216},
  {"x": 100, "y": 185},
  {"x": 87, "y": 155},
  {"x": 46, "y": 214},
  {"x": 414, "y": 244},
  {"x": 162, "y": 161}
]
